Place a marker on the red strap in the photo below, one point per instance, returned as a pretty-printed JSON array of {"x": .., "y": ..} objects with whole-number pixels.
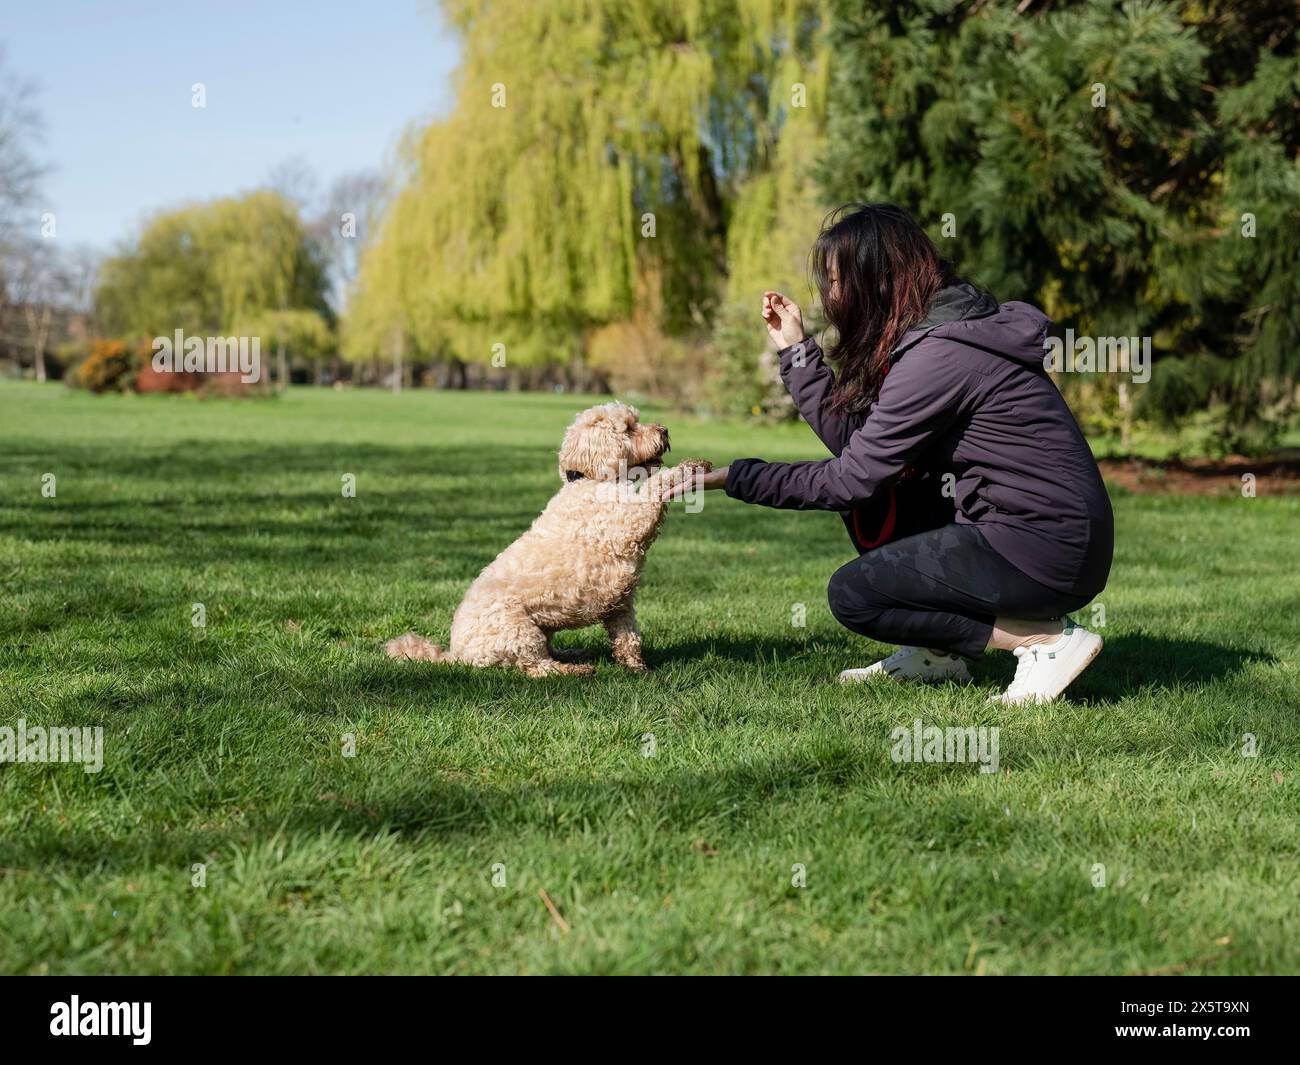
[{"x": 886, "y": 528}]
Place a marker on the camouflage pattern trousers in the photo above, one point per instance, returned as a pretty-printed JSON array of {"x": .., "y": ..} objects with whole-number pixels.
[{"x": 939, "y": 589}]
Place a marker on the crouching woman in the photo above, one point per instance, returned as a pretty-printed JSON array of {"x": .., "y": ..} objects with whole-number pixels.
[{"x": 971, "y": 494}]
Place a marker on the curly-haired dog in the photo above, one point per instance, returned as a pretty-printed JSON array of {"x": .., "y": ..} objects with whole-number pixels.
[{"x": 580, "y": 561}]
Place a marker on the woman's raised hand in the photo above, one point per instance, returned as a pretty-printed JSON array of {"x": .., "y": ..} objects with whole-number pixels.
[{"x": 783, "y": 318}]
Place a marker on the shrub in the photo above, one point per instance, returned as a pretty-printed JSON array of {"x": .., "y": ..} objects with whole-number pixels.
[
  {"x": 109, "y": 367},
  {"x": 150, "y": 380}
]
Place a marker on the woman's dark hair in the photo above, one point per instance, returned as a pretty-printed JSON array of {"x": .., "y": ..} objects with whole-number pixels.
[{"x": 888, "y": 272}]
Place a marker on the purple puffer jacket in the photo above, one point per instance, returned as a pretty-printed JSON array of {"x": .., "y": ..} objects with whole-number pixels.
[{"x": 966, "y": 393}]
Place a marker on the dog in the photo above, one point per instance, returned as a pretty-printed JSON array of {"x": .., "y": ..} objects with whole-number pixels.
[{"x": 578, "y": 564}]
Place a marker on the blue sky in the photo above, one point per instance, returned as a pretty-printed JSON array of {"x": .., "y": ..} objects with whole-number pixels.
[{"x": 331, "y": 83}]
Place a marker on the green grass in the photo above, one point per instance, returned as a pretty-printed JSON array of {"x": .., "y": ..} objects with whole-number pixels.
[{"x": 224, "y": 744}]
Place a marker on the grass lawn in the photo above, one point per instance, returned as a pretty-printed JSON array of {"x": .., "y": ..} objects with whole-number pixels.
[{"x": 224, "y": 744}]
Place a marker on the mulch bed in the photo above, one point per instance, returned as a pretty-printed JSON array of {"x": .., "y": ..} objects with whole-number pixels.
[{"x": 1274, "y": 475}]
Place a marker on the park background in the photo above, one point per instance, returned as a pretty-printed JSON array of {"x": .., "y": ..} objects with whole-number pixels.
[
  {"x": 737, "y": 811},
  {"x": 604, "y": 190}
]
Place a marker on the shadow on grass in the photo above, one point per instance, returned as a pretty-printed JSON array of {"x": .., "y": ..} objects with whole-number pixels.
[
  {"x": 1136, "y": 662},
  {"x": 1128, "y": 664},
  {"x": 716, "y": 800}
]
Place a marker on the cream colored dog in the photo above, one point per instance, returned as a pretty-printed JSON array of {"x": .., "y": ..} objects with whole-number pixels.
[{"x": 580, "y": 561}]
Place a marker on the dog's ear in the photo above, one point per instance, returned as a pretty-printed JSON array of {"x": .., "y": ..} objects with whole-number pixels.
[{"x": 588, "y": 444}]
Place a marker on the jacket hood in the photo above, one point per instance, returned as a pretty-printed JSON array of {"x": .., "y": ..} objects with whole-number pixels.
[{"x": 961, "y": 312}]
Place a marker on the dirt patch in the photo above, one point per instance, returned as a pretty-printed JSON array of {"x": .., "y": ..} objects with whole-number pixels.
[{"x": 1274, "y": 475}]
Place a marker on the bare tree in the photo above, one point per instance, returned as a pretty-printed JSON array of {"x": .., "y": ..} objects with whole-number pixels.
[
  {"x": 20, "y": 127},
  {"x": 341, "y": 222},
  {"x": 81, "y": 270},
  {"x": 36, "y": 285},
  {"x": 48, "y": 289},
  {"x": 345, "y": 225},
  {"x": 20, "y": 174}
]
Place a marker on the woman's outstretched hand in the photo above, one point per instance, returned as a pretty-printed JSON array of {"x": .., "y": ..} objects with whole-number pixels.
[
  {"x": 783, "y": 318},
  {"x": 713, "y": 479}
]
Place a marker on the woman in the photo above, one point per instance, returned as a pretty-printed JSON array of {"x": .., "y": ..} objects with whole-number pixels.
[{"x": 967, "y": 486}]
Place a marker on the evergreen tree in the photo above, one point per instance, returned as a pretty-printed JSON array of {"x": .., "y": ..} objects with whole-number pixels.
[{"x": 1131, "y": 167}]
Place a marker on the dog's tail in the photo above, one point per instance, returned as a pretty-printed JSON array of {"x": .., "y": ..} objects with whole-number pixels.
[{"x": 416, "y": 647}]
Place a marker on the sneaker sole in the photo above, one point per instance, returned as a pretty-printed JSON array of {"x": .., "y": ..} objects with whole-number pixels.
[
  {"x": 861, "y": 676},
  {"x": 1081, "y": 658}
]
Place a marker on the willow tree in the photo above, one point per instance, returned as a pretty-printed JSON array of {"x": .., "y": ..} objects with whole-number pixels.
[
  {"x": 597, "y": 159},
  {"x": 212, "y": 268}
]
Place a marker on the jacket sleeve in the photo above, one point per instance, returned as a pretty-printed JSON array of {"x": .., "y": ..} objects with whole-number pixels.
[
  {"x": 922, "y": 397},
  {"x": 809, "y": 381}
]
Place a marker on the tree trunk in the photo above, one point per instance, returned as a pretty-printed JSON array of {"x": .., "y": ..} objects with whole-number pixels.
[
  {"x": 397, "y": 364},
  {"x": 40, "y": 335},
  {"x": 43, "y": 340},
  {"x": 1125, "y": 418},
  {"x": 281, "y": 366}
]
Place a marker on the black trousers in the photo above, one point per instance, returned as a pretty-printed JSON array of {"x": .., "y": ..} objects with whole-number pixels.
[{"x": 940, "y": 588}]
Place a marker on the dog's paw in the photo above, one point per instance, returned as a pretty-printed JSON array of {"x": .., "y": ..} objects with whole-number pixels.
[{"x": 685, "y": 472}]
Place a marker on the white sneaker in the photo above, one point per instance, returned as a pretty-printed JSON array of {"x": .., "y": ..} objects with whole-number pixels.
[
  {"x": 1045, "y": 670},
  {"x": 913, "y": 663}
]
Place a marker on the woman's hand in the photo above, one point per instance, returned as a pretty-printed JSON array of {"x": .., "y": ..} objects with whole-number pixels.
[
  {"x": 713, "y": 479},
  {"x": 783, "y": 318}
]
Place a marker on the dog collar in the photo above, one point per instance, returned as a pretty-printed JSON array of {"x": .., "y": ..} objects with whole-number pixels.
[{"x": 572, "y": 475}]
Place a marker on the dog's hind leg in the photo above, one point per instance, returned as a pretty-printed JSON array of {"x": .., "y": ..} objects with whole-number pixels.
[
  {"x": 625, "y": 639},
  {"x": 508, "y": 636}
]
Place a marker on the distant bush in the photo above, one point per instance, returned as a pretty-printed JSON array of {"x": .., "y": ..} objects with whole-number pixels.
[
  {"x": 150, "y": 380},
  {"x": 117, "y": 366},
  {"x": 109, "y": 367}
]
